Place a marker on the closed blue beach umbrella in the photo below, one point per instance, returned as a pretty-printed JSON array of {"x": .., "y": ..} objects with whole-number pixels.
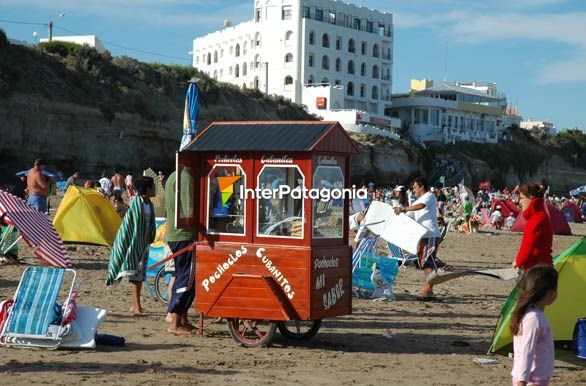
[{"x": 190, "y": 114}]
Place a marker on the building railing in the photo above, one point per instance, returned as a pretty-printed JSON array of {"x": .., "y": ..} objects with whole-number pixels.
[
  {"x": 386, "y": 56},
  {"x": 347, "y": 21},
  {"x": 385, "y": 77}
]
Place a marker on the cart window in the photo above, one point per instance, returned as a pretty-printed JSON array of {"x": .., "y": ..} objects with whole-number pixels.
[
  {"x": 226, "y": 208},
  {"x": 185, "y": 190},
  {"x": 328, "y": 212},
  {"x": 280, "y": 215}
]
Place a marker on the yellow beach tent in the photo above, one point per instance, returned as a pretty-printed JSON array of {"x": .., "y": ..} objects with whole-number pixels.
[
  {"x": 86, "y": 217},
  {"x": 569, "y": 306}
]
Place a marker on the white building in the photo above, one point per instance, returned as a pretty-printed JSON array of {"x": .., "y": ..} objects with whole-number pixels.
[
  {"x": 291, "y": 45},
  {"x": 90, "y": 40},
  {"x": 448, "y": 112},
  {"x": 548, "y": 127}
]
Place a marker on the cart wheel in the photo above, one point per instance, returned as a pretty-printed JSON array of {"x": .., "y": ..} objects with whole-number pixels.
[
  {"x": 299, "y": 329},
  {"x": 162, "y": 285},
  {"x": 252, "y": 333}
]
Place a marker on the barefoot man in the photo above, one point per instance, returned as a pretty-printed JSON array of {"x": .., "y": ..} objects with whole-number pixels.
[
  {"x": 183, "y": 291},
  {"x": 37, "y": 186},
  {"x": 117, "y": 181},
  {"x": 130, "y": 251}
]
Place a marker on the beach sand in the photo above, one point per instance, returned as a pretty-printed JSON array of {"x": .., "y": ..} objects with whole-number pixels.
[{"x": 426, "y": 347}]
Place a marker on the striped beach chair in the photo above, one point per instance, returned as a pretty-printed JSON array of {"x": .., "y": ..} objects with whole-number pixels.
[{"x": 34, "y": 319}]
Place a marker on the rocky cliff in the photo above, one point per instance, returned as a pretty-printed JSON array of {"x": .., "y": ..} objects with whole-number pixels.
[{"x": 85, "y": 111}]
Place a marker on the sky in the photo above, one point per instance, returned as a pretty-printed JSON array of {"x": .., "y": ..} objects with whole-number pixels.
[{"x": 535, "y": 50}]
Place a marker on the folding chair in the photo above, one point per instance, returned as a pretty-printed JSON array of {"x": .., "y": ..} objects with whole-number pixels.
[
  {"x": 35, "y": 320},
  {"x": 9, "y": 244},
  {"x": 402, "y": 257}
]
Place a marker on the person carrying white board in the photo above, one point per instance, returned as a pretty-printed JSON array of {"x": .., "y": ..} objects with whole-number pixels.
[{"x": 425, "y": 212}]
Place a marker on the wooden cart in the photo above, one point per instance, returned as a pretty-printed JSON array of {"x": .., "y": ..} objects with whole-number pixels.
[{"x": 264, "y": 260}]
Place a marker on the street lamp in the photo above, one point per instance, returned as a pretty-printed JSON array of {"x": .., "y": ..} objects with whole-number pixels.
[{"x": 51, "y": 26}]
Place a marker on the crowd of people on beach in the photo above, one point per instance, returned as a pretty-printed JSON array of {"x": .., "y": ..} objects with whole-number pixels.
[
  {"x": 428, "y": 205},
  {"x": 532, "y": 336}
]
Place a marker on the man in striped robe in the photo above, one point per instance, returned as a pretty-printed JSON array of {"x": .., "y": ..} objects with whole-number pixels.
[{"x": 129, "y": 254}]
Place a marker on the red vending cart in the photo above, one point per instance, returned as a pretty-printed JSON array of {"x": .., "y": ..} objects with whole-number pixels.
[{"x": 272, "y": 249}]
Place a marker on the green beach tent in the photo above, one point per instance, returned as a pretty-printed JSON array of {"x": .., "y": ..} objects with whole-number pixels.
[{"x": 569, "y": 306}]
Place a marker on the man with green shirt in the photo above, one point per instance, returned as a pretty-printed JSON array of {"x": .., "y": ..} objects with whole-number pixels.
[
  {"x": 467, "y": 209},
  {"x": 183, "y": 292}
]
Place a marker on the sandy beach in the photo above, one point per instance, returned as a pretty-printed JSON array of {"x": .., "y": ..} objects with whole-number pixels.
[{"x": 433, "y": 342}]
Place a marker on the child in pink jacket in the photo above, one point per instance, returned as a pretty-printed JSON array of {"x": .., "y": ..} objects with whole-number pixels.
[{"x": 532, "y": 337}]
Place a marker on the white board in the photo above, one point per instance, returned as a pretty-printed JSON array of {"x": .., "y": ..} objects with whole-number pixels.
[{"x": 400, "y": 230}]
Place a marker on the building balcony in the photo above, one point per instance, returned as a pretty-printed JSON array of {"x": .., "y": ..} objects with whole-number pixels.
[
  {"x": 386, "y": 56},
  {"x": 385, "y": 77}
]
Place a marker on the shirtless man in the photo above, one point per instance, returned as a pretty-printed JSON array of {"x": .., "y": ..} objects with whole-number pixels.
[
  {"x": 37, "y": 186},
  {"x": 117, "y": 181}
]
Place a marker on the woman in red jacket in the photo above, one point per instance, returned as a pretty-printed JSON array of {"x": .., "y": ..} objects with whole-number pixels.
[{"x": 538, "y": 236}]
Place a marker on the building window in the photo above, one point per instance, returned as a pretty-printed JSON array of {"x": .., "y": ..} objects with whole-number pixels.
[
  {"x": 197, "y": 60},
  {"x": 244, "y": 69},
  {"x": 288, "y": 35},
  {"x": 375, "y": 52},
  {"x": 237, "y": 50},
  {"x": 350, "y": 67},
  {"x": 325, "y": 41},
  {"x": 311, "y": 37},
  {"x": 310, "y": 60},
  {"x": 209, "y": 58},
  {"x": 256, "y": 82},
  {"x": 306, "y": 13},
  {"x": 310, "y": 79},
  {"x": 369, "y": 27},
  {"x": 319, "y": 14},
  {"x": 363, "y": 69},
  {"x": 325, "y": 62},
  {"x": 230, "y": 71},
  {"x": 221, "y": 73},
  {"x": 351, "y": 46},
  {"x": 381, "y": 29},
  {"x": 257, "y": 15},
  {"x": 289, "y": 58},
  {"x": 421, "y": 116},
  {"x": 286, "y": 12},
  {"x": 325, "y": 80},
  {"x": 236, "y": 71},
  {"x": 332, "y": 16},
  {"x": 338, "y": 82},
  {"x": 338, "y": 43},
  {"x": 338, "y": 65},
  {"x": 375, "y": 73},
  {"x": 374, "y": 92},
  {"x": 222, "y": 53},
  {"x": 357, "y": 23},
  {"x": 350, "y": 89},
  {"x": 257, "y": 39},
  {"x": 288, "y": 80},
  {"x": 216, "y": 74},
  {"x": 256, "y": 61},
  {"x": 244, "y": 48},
  {"x": 363, "y": 48},
  {"x": 215, "y": 56},
  {"x": 362, "y": 88}
]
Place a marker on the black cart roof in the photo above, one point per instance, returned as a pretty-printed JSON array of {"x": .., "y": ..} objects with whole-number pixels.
[{"x": 290, "y": 136}]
